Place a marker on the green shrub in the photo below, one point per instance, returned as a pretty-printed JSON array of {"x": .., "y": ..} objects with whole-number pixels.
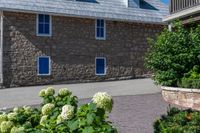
[
  {"x": 190, "y": 83},
  {"x": 60, "y": 114},
  {"x": 178, "y": 121},
  {"x": 191, "y": 79},
  {"x": 173, "y": 54}
]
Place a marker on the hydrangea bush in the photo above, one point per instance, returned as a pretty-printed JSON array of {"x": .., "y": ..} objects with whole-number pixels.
[{"x": 60, "y": 114}]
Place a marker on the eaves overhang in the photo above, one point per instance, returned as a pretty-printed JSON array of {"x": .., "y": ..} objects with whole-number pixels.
[
  {"x": 157, "y": 21},
  {"x": 182, "y": 14}
]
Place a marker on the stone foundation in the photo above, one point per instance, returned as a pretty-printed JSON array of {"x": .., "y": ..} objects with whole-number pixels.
[{"x": 188, "y": 98}]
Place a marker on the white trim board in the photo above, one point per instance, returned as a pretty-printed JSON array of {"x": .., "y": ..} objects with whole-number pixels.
[{"x": 1, "y": 47}]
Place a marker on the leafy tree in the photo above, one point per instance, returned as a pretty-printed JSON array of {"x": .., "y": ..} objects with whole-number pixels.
[{"x": 173, "y": 54}]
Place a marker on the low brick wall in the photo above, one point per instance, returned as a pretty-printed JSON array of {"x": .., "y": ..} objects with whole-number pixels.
[{"x": 188, "y": 98}]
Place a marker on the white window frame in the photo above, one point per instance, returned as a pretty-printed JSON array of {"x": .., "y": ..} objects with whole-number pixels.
[
  {"x": 100, "y": 38},
  {"x": 105, "y": 66},
  {"x": 50, "y": 26},
  {"x": 38, "y": 64}
]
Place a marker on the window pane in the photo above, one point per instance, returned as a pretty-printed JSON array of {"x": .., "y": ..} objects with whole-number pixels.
[
  {"x": 98, "y": 23},
  {"x": 41, "y": 18},
  {"x": 100, "y": 66},
  {"x": 102, "y": 32},
  {"x": 47, "y": 19},
  {"x": 102, "y": 23},
  {"x": 43, "y": 65},
  {"x": 47, "y": 29},
  {"x": 41, "y": 28},
  {"x": 98, "y": 32}
]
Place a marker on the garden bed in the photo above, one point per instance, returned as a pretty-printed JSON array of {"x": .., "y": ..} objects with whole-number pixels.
[
  {"x": 59, "y": 113},
  {"x": 184, "y": 97},
  {"x": 178, "y": 121}
]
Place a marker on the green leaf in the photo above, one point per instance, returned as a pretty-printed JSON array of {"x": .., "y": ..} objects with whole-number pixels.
[
  {"x": 101, "y": 112},
  {"x": 89, "y": 130},
  {"x": 82, "y": 122},
  {"x": 73, "y": 125},
  {"x": 92, "y": 106},
  {"x": 90, "y": 118}
]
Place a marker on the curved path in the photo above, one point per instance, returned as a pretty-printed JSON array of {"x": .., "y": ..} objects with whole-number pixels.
[{"x": 12, "y": 97}]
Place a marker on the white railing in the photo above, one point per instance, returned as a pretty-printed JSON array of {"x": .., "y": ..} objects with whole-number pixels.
[{"x": 179, "y": 5}]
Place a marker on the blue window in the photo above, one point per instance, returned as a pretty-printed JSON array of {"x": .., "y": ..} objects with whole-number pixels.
[
  {"x": 100, "y": 66},
  {"x": 43, "y": 65},
  {"x": 100, "y": 29},
  {"x": 43, "y": 25}
]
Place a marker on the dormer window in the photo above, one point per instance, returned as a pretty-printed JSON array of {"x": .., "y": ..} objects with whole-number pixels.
[
  {"x": 132, "y": 3},
  {"x": 89, "y": 1}
]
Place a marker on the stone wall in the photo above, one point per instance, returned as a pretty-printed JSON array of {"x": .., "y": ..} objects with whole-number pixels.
[
  {"x": 73, "y": 49},
  {"x": 187, "y": 98}
]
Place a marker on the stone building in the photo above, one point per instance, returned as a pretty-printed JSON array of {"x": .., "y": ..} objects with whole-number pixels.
[{"x": 63, "y": 41}]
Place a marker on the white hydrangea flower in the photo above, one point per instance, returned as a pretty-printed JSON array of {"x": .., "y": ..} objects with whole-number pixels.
[
  {"x": 12, "y": 116},
  {"x": 17, "y": 130},
  {"x": 21, "y": 130},
  {"x": 47, "y": 108},
  {"x": 59, "y": 119},
  {"x": 103, "y": 100},
  {"x": 43, "y": 120},
  {"x": 16, "y": 110},
  {"x": 28, "y": 109},
  {"x": 49, "y": 91},
  {"x": 6, "y": 126},
  {"x": 3, "y": 117},
  {"x": 14, "y": 130},
  {"x": 67, "y": 112},
  {"x": 42, "y": 93},
  {"x": 64, "y": 92}
]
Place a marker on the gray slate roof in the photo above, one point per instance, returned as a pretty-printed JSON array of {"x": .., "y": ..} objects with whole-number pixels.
[{"x": 107, "y": 9}]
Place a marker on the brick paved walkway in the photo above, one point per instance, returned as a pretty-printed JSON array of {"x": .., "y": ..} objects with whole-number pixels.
[{"x": 136, "y": 114}]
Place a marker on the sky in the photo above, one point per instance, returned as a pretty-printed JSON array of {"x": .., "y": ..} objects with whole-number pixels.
[{"x": 165, "y": 1}]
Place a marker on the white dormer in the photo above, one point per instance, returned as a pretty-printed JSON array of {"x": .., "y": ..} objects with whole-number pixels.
[{"x": 132, "y": 3}]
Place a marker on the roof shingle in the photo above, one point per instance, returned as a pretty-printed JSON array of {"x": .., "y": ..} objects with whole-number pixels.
[{"x": 107, "y": 9}]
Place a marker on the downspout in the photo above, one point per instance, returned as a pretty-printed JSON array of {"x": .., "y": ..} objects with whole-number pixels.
[
  {"x": 170, "y": 26},
  {"x": 1, "y": 49}
]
